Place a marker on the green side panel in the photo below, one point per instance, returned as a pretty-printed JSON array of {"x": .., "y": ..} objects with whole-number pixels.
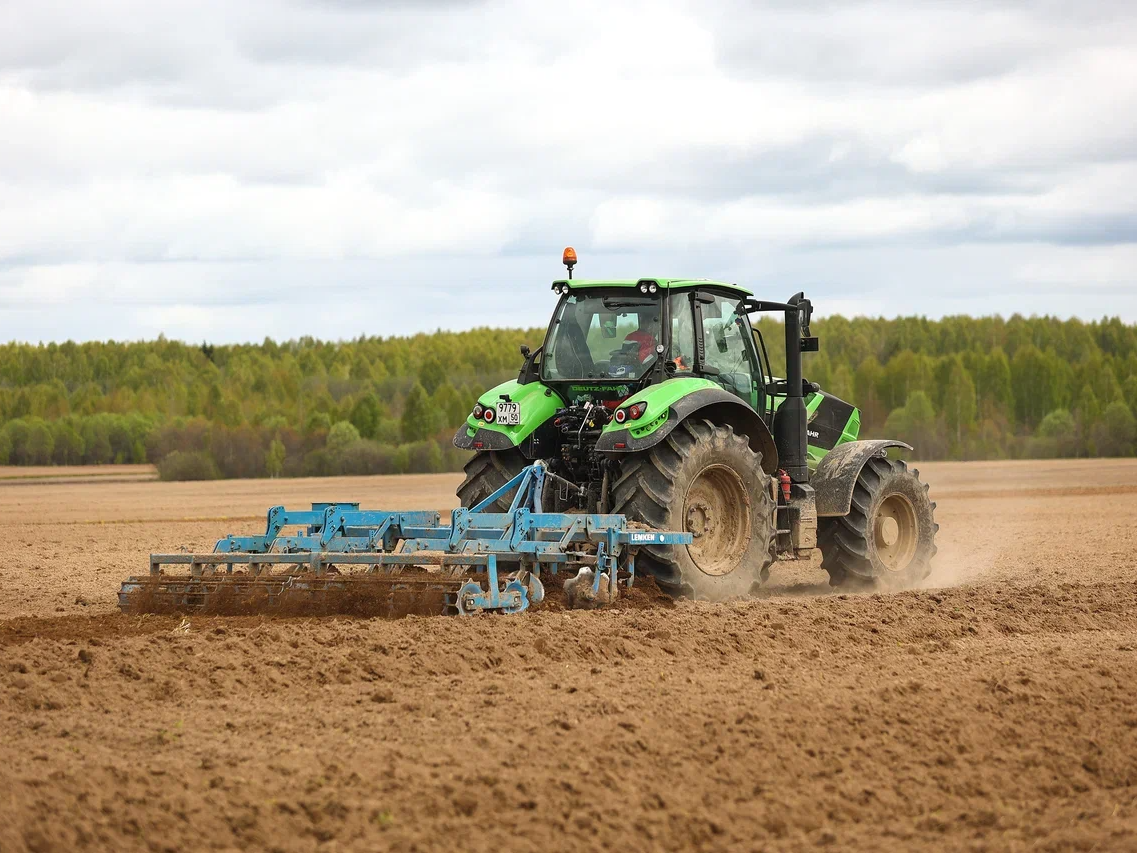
[
  {"x": 538, "y": 403},
  {"x": 850, "y": 432},
  {"x": 659, "y": 399},
  {"x": 852, "y": 429}
]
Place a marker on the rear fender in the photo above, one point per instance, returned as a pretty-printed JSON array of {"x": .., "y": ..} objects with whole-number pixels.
[
  {"x": 837, "y": 473},
  {"x": 703, "y": 400},
  {"x": 538, "y": 404}
]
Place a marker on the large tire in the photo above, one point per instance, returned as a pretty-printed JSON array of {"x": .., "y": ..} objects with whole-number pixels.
[
  {"x": 704, "y": 479},
  {"x": 888, "y": 539},
  {"x": 486, "y": 473}
]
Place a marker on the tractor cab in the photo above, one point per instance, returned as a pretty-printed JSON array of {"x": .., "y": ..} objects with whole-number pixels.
[{"x": 608, "y": 339}]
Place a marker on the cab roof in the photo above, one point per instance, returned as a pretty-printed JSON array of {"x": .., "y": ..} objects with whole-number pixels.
[{"x": 665, "y": 283}]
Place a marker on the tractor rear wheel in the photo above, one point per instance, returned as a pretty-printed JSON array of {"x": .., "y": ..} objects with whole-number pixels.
[
  {"x": 703, "y": 479},
  {"x": 888, "y": 539},
  {"x": 486, "y": 473}
]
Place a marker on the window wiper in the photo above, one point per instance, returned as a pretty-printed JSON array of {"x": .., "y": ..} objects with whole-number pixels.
[{"x": 634, "y": 303}]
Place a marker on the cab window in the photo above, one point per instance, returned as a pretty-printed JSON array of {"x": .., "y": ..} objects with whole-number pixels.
[
  {"x": 603, "y": 335},
  {"x": 682, "y": 353},
  {"x": 729, "y": 347}
]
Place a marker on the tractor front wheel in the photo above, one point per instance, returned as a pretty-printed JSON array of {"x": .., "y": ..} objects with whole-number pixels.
[
  {"x": 888, "y": 539},
  {"x": 705, "y": 480}
]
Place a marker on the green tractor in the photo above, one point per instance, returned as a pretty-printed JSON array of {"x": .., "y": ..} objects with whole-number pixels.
[{"x": 655, "y": 398}]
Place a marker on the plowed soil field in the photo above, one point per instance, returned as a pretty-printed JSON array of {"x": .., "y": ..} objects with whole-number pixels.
[{"x": 995, "y": 709}]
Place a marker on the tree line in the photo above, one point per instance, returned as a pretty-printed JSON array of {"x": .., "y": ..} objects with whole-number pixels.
[
  {"x": 956, "y": 388},
  {"x": 304, "y": 407},
  {"x": 983, "y": 387}
]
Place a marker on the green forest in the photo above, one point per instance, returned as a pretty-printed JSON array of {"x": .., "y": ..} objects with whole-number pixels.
[{"x": 956, "y": 388}]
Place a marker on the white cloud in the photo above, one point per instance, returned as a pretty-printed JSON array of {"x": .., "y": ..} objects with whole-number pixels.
[
  {"x": 261, "y": 156},
  {"x": 1104, "y": 269}
]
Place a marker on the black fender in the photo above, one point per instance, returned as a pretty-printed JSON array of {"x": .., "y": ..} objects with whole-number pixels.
[
  {"x": 713, "y": 404},
  {"x": 837, "y": 473}
]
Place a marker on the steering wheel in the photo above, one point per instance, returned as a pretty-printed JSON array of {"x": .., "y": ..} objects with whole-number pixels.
[{"x": 627, "y": 348}]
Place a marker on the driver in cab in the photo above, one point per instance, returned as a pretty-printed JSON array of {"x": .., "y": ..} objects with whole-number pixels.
[
  {"x": 647, "y": 344},
  {"x": 646, "y": 341}
]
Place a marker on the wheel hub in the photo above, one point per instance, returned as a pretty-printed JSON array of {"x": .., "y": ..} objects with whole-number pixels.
[
  {"x": 700, "y": 519},
  {"x": 895, "y": 532},
  {"x": 716, "y": 511},
  {"x": 887, "y": 531}
]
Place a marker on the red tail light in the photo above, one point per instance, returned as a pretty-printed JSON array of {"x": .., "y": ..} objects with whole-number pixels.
[{"x": 634, "y": 412}]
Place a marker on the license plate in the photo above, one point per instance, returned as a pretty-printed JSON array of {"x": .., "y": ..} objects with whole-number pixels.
[{"x": 509, "y": 414}]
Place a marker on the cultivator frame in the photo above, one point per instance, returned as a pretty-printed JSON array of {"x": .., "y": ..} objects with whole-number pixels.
[{"x": 513, "y": 547}]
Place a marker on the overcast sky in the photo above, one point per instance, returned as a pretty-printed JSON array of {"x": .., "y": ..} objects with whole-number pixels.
[{"x": 233, "y": 170}]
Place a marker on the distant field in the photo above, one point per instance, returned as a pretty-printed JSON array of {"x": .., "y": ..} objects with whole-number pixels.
[{"x": 76, "y": 473}]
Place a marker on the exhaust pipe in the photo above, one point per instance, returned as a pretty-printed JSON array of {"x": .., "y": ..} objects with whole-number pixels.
[{"x": 790, "y": 420}]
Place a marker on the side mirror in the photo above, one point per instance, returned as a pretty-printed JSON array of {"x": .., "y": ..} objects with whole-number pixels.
[
  {"x": 720, "y": 339},
  {"x": 608, "y": 325},
  {"x": 525, "y": 351},
  {"x": 806, "y": 310}
]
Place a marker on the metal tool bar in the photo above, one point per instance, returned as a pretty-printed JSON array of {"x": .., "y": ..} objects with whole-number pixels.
[
  {"x": 332, "y": 536},
  {"x": 423, "y": 558}
]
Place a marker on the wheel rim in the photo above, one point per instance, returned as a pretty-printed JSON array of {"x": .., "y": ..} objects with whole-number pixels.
[
  {"x": 716, "y": 512},
  {"x": 895, "y": 532}
]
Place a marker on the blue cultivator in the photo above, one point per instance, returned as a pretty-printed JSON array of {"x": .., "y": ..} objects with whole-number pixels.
[{"x": 405, "y": 562}]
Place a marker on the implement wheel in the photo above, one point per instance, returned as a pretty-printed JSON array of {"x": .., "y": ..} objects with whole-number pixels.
[
  {"x": 488, "y": 472},
  {"x": 888, "y": 539},
  {"x": 703, "y": 479}
]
